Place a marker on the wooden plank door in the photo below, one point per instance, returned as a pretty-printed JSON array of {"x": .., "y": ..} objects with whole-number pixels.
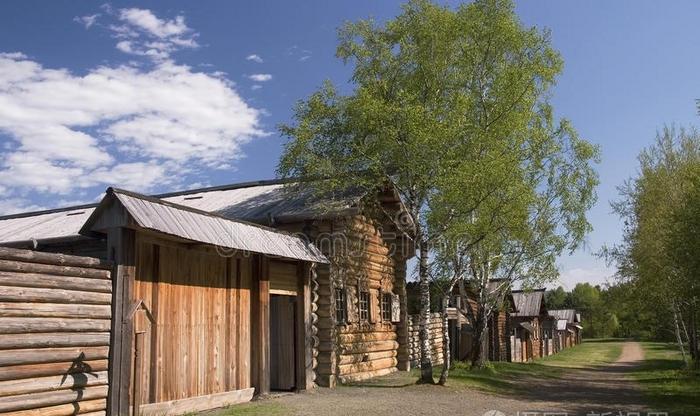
[{"x": 282, "y": 342}]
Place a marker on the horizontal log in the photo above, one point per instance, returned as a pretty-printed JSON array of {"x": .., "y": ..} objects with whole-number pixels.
[
  {"x": 52, "y": 340},
  {"x": 367, "y": 337},
  {"x": 31, "y": 256},
  {"x": 55, "y": 282},
  {"x": 351, "y": 378},
  {"x": 51, "y": 398},
  {"x": 52, "y": 383},
  {"x": 13, "y": 372},
  {"x": 54, "y": 310},
  {"x": 83, "y": 407},
  {"x": 17, "y": 266},
  {"x": 197, "y": 404},
  {"x": 368, "y": 347},
  {"x": 358, "y": 358},
  {"x": 26, "y": 294},
  {"x": 52, "y": 355},
  {"x": 33, "y": 325},
  {"x": 367, "y": 366}
]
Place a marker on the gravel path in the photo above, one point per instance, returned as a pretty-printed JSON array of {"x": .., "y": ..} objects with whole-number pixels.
[{"x": 579, "y": 392}]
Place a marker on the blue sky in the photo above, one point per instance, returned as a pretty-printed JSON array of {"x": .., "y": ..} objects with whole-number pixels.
[{"x": 157, "y": 95}]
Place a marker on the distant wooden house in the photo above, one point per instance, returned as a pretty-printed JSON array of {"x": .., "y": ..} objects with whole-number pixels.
[
  {"x": 568, "y": 327},
  {"x": 462, "y": 315},
  {"x": 349, "y": 323},
  {"x": 529, "y": 335}
]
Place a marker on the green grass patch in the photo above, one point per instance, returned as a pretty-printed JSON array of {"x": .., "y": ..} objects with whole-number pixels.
[
  {"x": 505, "y": 377},
  {"x": 667, "y": 385},
  {"x": 254, "y": 408}
]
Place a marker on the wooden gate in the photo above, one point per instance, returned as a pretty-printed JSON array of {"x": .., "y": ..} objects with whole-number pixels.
[{"x": 55, "y": 318}]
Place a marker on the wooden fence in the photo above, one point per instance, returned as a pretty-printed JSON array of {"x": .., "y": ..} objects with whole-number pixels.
[
  {"x": 436, "y": 339},
  {"x": 55, "y": 318}
]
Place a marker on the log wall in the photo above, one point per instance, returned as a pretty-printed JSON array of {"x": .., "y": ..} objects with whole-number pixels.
[
  {"x": 436, "y": 339},
  {"x": 55, "y": 317}
]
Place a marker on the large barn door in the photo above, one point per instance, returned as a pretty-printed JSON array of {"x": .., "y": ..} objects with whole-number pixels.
[{"x": 282, "y": 342}]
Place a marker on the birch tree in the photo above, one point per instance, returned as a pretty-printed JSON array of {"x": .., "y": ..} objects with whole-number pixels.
[{"x": 442, "y": 100}]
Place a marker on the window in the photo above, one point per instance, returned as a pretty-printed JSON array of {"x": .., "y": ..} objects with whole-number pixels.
[
  {"x": 364, "y": 306},
  {"x": 341, "y": 310},
  {"x": 386, "y": 306}
]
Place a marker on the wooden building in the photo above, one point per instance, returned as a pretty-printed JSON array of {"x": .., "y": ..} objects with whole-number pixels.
[
  {"x": 358, "y": 300},
  {"x": 528, "y": 325},
  {"x": 462, "y": 316},
  {"x": 568, "y": 327}
]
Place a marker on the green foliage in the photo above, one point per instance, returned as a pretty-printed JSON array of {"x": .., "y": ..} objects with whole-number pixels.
[{"x": 658, "y": 260}]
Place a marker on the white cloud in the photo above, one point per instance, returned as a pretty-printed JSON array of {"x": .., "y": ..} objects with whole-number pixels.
[
  {"x": 595, "y": 275},
  {"x": 16, "y": 205},
  {"x": 254, "y": 58},
  {"x": 260, "y": 77},
  {"x": 256, "y": 87},
  {"x": 121, "y": 126},
  {"x": 142, "y": 33},
  {"x": 86, "y": 21}
]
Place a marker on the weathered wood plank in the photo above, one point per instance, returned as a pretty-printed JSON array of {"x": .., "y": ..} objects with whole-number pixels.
[
  {"x": 26, "y": 294},
  {"x": 53, "y": 340},
  {"x": 50, "y": 398},
  {"x": 7, "y": 253},
  {"x": 18, "y": 266},
  {"x": 55, "y": 282},
  {"x": 52, "y": 383},
  {"x": 54, "y": 310},
  {"x": 53, "y": 355},
  {"x": 197, "y": 404},
  {"x": 13, "y": 372},
  {"x": 84, "y": 408},
  {"x": 33, "y": 325}
]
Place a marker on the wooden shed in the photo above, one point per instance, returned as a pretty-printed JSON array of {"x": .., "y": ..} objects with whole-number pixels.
[
  {"x": 463, "y": 314},
  {"x": 527, "y": 325},
  {"x": 206, "y": 311},
  {"x": 568, "y": 327}
]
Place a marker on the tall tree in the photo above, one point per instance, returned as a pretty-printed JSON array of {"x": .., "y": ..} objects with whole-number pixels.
[
  {"x": 658, "y": 252},
  {"x": 451, "y": 107}
]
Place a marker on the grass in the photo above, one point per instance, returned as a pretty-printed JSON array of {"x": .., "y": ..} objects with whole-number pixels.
[
  {"x": 505, "y": 377},
  {"x": 667, "y": 385},
  {"x": 254, "y": 408}
]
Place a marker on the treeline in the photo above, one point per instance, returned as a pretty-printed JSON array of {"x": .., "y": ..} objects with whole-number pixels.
[{"x": 659, "y": 259}]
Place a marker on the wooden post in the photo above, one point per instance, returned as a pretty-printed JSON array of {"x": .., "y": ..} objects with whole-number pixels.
[
  {"x": 260, "y": 322},
  {"x": 138, "y": 373},
  {"x": 121, "y": 250},
  {"x": 304, "y": 336}
]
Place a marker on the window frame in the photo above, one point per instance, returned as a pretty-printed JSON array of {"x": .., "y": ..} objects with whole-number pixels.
[
  {"x": 386, "y": 303},
  {"x": 363, "y": 299},
  {"x": 341, "y": 306}
]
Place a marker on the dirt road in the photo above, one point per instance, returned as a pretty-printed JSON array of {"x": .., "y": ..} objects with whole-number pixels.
[{"x": 579, "y": 392}]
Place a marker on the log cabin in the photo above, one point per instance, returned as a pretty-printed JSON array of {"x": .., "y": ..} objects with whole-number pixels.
[
  {"x": 356, "y": 302},
  {"x": 528, "y": 325},
  {"x": 462, "y": 313},
  {"x": 568, "y": 326}
]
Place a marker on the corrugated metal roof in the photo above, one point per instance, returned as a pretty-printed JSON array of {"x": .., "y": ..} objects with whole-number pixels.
[
  {"x": 568, "y": 314},
  {"x": 196, "y": 225},
  {"x": 263, "y": 202},
  {"x": 528, "y": 303}
]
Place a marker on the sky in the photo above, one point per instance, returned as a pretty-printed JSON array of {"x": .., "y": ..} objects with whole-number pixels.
[{"x": 156, "y": 96}]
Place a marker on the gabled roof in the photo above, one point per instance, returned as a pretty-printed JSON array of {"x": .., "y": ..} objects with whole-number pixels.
[
  {"x": 529, "y": 303},
  {"x": 263, "y": 202},
  {"x": 128, "y": 209},
  {"x": 569, "y": 315}
]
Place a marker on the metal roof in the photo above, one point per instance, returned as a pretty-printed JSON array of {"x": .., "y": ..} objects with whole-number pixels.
[
  {"x": 528, "y": 303},
  {"x": 569, "y": 315},
  {"x": 196, "y": 225},
  {"x": 561, "y": 324},
  {"x": 265, "y": 202}
]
